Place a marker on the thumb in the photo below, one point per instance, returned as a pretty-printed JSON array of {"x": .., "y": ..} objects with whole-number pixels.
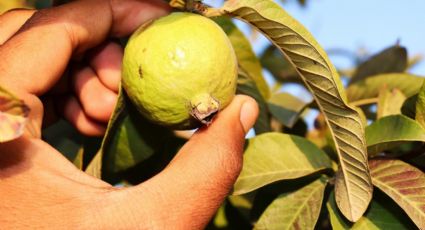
[{"x": 189, "y": 191}]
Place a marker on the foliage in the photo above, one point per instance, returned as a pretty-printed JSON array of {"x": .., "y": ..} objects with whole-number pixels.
[{"x": 294, "y": 178}]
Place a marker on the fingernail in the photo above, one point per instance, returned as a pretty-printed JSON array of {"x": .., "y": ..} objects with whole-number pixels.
[{"x": 248, "y": 115}]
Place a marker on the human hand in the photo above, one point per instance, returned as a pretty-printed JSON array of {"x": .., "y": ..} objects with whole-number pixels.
[{"x": 40, "y": 188}]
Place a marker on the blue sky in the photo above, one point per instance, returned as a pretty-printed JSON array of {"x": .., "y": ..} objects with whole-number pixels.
[
  {"x": 356, "y": 25},
  {"x": 359, "y": 24}
]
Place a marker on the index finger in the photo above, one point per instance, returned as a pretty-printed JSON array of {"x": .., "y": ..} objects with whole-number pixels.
[{"x": 35, "y": 57}]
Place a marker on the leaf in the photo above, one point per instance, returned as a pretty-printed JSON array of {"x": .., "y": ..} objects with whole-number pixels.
[
  {"x": 248, "y": 87},
  {"x": 376, "y": 217},
  {"x": 130, "y": 138},
  {"x": 95, "y": 166},
  {"x": 390, "y": 60},
  {"x": 391, "y": 131},
  {"x": 420, "y": 107},
  {"x": 281, "y": 69},
  {"x": 354, "y": 188},
  {"x": 389, "y": 102},
  {"x": 13, "y": 116},
  {"x": 404, "y": 184},
  {"x": 286, "y": 108},
  {"x": 245, "y": 54},
  {"x": 369, "y": 88},
  {"x": 272, "y": 157},
  {"x": 295, "y": 210}
]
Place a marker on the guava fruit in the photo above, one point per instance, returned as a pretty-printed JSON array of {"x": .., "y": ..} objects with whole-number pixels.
[{"x": 180, "y": 70}]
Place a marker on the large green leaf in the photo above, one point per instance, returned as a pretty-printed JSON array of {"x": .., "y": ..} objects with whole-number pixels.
[
  {"x": 390, "y": 60},
  {"x": 377, "y": 217},
  {"x": 353, "y": 187},
  {"x": 13, "y": 116},
  {"x": 247, "y": 86},
  {"x": 295, "y": 210},
  {"x": 420, "y": 107},
  {"x": 286, "y": 108},
  {"x": 391, "y": 131},
  {"x": 404, "y": 183},
  {"x": 369, "y": 88},
  {"x": 272, "y": 157},
  {"x": 389, "y": 102},
  {"x": 130, "y": 138},
  {"x": 246, "y": 56}
]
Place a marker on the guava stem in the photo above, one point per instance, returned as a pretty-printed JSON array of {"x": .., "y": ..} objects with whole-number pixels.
[{"x": 204, "y": 107}]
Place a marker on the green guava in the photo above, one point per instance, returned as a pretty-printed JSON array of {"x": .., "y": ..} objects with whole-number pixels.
[{"x": 180, "y": 70}]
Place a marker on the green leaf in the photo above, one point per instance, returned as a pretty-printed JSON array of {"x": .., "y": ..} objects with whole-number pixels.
[
  {"x": 391, "y": 131},
  {"x": 94, "y": 168},
  {"x": 286, "y": 108},
  {"x": 420, "y": 107},
  {"x": 295, "y": 210},
  {"x": 245, "y": 54},
  {"x": 369, "y": 88},
  {"x": 353, "y": 187},
  {"x": 377, "y": 217},
  {"x": 404, "y": 183},
  {"x": 281, "y": 69},
  {"x": 13, "y": 116},
  {"x": 247, "y": 86},
  {"x": 390, "y": 60},
  {"x": 272, "y": 157},
  {"x": 390, "y": 102},
  {"x": 130, "y": 138}
]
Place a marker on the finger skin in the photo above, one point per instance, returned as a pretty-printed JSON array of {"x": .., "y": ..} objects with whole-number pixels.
[
  {"x": 97, "y": 101},
  {"x": 195, "y": 183},
  {"x": 106, "y": 62},
  {"x": 73, "y": 112},
  {"x": 11, "y": 21}
]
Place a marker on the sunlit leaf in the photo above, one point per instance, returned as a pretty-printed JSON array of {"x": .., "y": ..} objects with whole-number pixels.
[
  {"x": 272, "y": 157},
  {"x": 390, "y": 102},
  {"x": 404, "y": 183},
  {"x": 13, "y": 116},
  {"x": 369, "y": 88},
  {"x": 295, "y": 210},
  {"x": 420, "y": 107},
  {"x": 353, "y": 186},
  {"x": 391, "y": 131},
  {"x": 286, "y": 108},
  {"x": 390, "y": 60},
  {"x": 246, "y": 56},
  {"x": 377, "y": 217},
  {"x": 247, "y": 86}
]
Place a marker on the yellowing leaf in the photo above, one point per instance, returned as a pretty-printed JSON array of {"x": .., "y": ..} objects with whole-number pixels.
[
  {"x": 295, "y": 210},
  {"x": 13, "y": 116},
  {"x": 390, "y": 102},
  {"x": 404, "y": 183},
  {"x": 272, "y": 157},
  {"x": 353, "y": 187}
]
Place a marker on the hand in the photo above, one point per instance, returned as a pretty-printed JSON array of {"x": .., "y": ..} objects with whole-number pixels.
[{"x": 40, "y": 188}]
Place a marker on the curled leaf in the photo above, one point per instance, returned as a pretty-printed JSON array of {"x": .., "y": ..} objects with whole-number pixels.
[
  {"x": 13, "y": 116},
  {"x": 353, "y": 187}
]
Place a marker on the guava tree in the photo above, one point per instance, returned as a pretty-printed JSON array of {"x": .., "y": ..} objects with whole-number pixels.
[{"x": 360, "y": 166}]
